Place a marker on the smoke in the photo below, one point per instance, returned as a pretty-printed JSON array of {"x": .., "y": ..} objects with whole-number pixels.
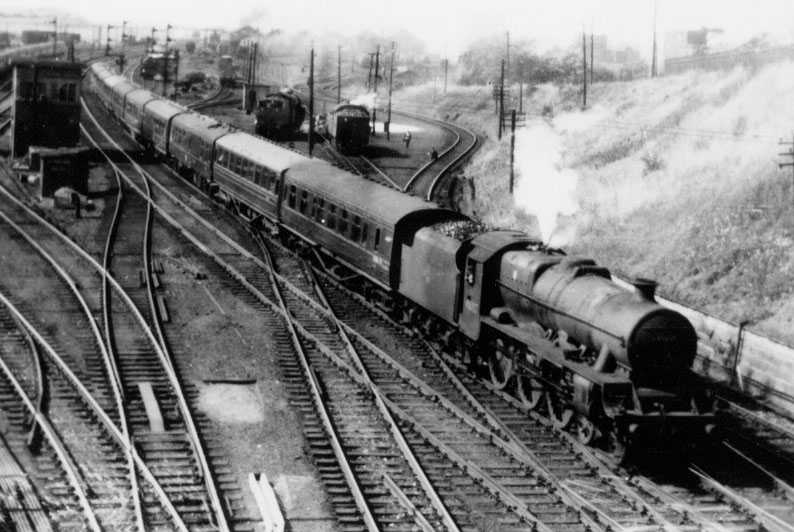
[
  {"x": 369, "y": 100},
  {"x": 253, "y": 17},
  {"x": 545, "y": 188}
]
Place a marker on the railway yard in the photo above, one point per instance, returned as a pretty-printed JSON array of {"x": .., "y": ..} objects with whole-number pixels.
[{"x": 223, "y": 331}]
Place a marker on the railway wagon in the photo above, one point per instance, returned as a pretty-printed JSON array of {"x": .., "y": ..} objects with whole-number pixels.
[
  {"x": 157, "y": 116},
  {"x": 279, "y": 114},
  {"x": 348, "y": 126},
  {"x": 248, "y": 172},
  {"x": 192, "y": 145}
]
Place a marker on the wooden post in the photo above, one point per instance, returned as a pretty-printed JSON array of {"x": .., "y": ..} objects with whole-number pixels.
[
  {"x": 375, "y": 83},
  {"x": 387, "y": 126},
  {"x": 338, "y": 74},
  {"x": 446, "y": 68},
  {"x": 311, "y": 102},
  {"x": 107, "y": 40},
  {"x": 55, "y": 38},
  {"x": 592, "y": 57},
  {"x": 584, "y": 71},
  {"x": 512, "y": 148},
  {"x": 520, "y": 95},
  {"x": 507, "y": 56},
  {"x": 501, "y": 99},
  {"x": 654, "y": 66}
]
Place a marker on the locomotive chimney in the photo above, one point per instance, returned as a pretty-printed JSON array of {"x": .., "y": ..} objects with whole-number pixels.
[{"x": 645, "y": 288}]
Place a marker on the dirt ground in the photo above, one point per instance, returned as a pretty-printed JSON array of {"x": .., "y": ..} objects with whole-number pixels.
[{"x": 221, "y": 338}]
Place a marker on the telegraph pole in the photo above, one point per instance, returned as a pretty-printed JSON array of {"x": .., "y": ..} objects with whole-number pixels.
[
  {"x": 165, "y": 58},
  {"x": 54, "y": 37},
  {"x": 391, "y": 82},
  {"x": 789, "y": 154},
  {"x": 375, "y": 82},
  {"x": 311, "y": 102},
  {"x": 512, "y": 148},
  {"x": 501, "y": 99},
  {"x": 369, "y": 72},
  {"x": 507, "y": 54},
  {"x": 123, "y": 42},
  {"x": 338, "y": 74},
  {"x": 592, "y": 57},
  {"x": 654, "y": 66},
  {"x": 584, "y": 70},
  {"x": 151, "y": 40},
  {"x": 446, "y": 68},
  {"x": 107, "y": 39}
]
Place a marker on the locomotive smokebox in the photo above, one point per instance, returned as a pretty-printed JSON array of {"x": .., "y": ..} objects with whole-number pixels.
[{"x": 646, "y": 288}]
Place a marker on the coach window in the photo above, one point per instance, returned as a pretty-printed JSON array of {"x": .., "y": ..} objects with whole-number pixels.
[
  {"x": 331, "y": 222},
  {"x": 377, "y": 237},
  {"x": 304, "y": 201},
  {"x": 365, "y": 233},
  {"x": 221, "y": 159},
  {"x": 343, "y": 222},
  {"x": 355, "y": 229},
  {"x": 291, "y": 198},
  {"x": 319, "y": 215}
]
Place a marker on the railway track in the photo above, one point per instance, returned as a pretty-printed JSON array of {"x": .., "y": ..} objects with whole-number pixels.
[
  {"x": 428, "y": 180},
  {"x": 79, "y": 402},
  {"x": 639, "y": 503},
  {"x": 518, "y": 501}
]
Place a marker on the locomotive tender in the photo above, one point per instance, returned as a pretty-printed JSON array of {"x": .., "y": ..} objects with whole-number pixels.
[
  {"x": 553, "y": 329},
  {"x": 348, "y": 125}
]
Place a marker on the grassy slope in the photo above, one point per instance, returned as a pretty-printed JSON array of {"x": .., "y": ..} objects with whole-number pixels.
[{"x": 677, "y": 180}]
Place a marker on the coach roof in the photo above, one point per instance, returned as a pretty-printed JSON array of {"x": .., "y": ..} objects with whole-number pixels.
[
  {"x": 164, "y": 109},
  {"x": 198, "y": 124},
  {"x": 260, "y": 151},
  {"x": 356, "y": 193}
]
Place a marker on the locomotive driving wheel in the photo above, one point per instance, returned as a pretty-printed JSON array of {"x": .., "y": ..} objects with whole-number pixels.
[
  {"x": 530, "y": 392},
  {"x": 561, "y": 415},
  {"x": 586, "y": 431},
  {"x": 500, "y": 366}
]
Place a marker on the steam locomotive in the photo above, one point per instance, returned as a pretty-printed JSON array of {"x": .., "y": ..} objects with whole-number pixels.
[
  {"x": 279, "y": 114},
  {"x": 610, "y": 364}
]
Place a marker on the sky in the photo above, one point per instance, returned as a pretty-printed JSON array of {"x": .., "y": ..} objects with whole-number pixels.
[{"x": 448, "y": 25}]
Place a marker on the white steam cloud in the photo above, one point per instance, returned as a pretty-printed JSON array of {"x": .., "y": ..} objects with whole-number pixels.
[
  {"x": 545, "y": 188},
  {"x": 369, "y": 100}
]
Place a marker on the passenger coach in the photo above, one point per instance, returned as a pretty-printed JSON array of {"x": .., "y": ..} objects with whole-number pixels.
[
  {"x": 248, "y": 170},
  {"x": 364, "y": 223},
  {"x": 192, "y": 145}
]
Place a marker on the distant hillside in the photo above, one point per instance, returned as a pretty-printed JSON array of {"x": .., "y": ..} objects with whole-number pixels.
[{"x": 674, "y": 178}]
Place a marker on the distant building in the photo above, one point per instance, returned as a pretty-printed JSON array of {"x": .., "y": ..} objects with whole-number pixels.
[{"x": 46, "y": 108}]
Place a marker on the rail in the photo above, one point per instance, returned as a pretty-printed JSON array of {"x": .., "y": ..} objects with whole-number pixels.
[
  {"x": 112, "y": 367},
  {"x": 109, "y": 425},
  {"x": 49, "y": 432},
  {"x": 161, "y": 347},
  {"x": 317, "y": 396},
  {"x": 408, "y": 454}
]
